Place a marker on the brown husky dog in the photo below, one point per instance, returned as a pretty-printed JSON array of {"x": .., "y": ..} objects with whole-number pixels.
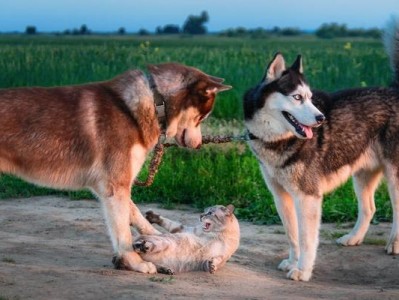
[{"x": 97, "y": 136}]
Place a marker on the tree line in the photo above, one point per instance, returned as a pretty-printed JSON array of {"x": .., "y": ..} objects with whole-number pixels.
[{"x": 195, "y": 25}]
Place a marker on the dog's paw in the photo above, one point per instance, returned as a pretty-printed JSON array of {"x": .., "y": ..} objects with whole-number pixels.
[
  {"x": 299, "y": 275},
  {"x": 349, "y": 240},
  {"x": 392, "y": 246},
  {"x": 287, "y": 265},
  {"x": 152, "y": 217},
  {"x": 121, "y": 263},
  {"x": 145, "y": 267},
  {"x": 118, "y": 263},
  {"x": 142, "y": 246}
]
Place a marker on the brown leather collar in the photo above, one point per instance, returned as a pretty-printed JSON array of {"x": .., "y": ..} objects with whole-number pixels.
[{"x": 160, "y": 104}]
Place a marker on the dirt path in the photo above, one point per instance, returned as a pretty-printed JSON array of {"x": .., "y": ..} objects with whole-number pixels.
[{"x": 53, "y": 248}]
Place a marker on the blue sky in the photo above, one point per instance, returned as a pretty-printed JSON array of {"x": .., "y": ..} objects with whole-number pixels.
[{"x": 108, "y": 15}]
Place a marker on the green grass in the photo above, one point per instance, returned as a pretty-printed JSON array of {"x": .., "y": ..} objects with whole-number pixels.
[
  {"x": 8, "y": 260},
  {"x": 164, "y": 280},
  {"x": 215, "y": 174}
]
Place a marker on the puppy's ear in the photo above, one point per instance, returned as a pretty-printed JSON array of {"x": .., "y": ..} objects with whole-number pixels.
[
  {"x": 297, "y": 65},
  {"x": 275, "y": 68}
]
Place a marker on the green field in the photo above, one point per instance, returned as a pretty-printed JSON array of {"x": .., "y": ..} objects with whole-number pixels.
[{"x": 215, "y": 174}]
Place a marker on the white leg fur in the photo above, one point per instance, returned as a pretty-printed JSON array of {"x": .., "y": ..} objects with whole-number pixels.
[
  {"x": 365, "y": 184},
  {"x": 117, "y": 216},
  {"x": 309, "y": 215},
  {"x": 286, "y": 210},
  {"x": 391, "y": 173}
]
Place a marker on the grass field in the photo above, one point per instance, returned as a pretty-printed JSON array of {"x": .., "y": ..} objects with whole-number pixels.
[{"x": 215, "y": 174}]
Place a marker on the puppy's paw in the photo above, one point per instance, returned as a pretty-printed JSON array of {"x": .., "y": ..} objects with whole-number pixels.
[
  {"x": 299, "y": 275},
  {"x": 349, "y": 240},
  {"x": 153, "y": 218},
  {"x": 287, "y": 265}
]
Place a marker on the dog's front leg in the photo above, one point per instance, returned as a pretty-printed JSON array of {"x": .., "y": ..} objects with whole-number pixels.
[
  {"x": 309, "y": 216},
  {"x": 117, "y": 215},
  {"x": 286, "y": 209}
]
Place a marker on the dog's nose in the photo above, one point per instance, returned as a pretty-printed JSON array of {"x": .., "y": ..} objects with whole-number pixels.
[
  {"x": 320, "y": 119},
  {"x": 198, "y": 147}
]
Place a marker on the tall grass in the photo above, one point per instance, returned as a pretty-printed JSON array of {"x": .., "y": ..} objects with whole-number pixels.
[{"x": 214, "y": 174}]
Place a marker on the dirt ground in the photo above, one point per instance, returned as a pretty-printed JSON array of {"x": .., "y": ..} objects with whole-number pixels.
[{"x": 54, "y": 248}]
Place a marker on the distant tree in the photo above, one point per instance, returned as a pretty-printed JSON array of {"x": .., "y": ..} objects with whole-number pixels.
[
  {"x": 30, "y": 29},
  {"x": 84, "y": 30},
  {"x": 143, "y": 31},
  {"x": 290, "y": 31},
  {"x": 195, "y": 24},
  {"x": 333, "y": 30},
  {"x": 168, "y": 29},
  {"x": 121, "y": 31},
  {"x": 276, "y": 30},
  {"x": 374, "y": 33}
]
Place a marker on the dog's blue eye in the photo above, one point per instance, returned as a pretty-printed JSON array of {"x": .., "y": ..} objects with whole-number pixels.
[{"x": 297, "y": 97}]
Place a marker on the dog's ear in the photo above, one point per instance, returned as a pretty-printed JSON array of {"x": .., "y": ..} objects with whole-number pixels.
[
  {"x": 170, "y": 78},
  {"x": 216, "y": 79},
  {"x": 275, "y": 68},
  {"x": 216, "y": 87},
  {"x": 297, "y": 65}
]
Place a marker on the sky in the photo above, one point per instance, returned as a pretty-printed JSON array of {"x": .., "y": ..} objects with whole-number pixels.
[{"x": 108, "y": 15}]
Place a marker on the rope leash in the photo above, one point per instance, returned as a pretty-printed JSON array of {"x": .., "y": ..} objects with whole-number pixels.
[{"x": 159, "y": 150}]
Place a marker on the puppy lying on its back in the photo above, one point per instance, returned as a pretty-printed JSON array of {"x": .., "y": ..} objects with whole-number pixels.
[{"x": 205, "y": 247}]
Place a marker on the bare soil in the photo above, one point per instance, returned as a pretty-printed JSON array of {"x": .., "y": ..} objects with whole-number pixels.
[{"x": 55, "y": 248}]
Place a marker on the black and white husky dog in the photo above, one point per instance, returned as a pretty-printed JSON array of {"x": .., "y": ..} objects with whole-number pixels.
[{"x": 310, "y": 142}]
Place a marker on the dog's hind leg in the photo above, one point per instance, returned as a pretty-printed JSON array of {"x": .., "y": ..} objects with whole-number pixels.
[
  {"x": 392, "y": 175},
  {"x": 365, "y": 183}
]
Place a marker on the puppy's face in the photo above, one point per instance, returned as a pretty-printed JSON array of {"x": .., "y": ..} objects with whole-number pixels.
[{"x": 190, "y": 96}]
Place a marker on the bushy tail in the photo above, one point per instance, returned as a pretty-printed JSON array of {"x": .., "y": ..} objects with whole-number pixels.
[{"x": 391, "y": 42}]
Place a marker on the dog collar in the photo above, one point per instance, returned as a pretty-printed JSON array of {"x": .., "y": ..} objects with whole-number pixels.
[{"x": 159, "y": 103}]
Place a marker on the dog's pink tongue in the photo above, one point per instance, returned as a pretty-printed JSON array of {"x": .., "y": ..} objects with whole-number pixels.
[{"x": 308, "y": 132}]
